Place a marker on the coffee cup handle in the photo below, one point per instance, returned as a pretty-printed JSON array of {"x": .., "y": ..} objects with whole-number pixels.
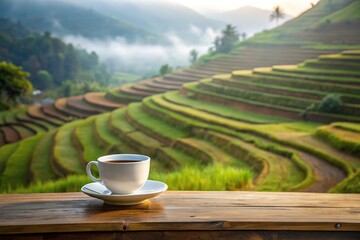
[{"x": 88, "y": 170}]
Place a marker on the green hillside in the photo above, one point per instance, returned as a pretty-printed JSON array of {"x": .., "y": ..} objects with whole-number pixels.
[
  {"x": 329, "y": 22},
  {"x": 274, "y": 115},
  {"x": 242, "y": 130},
  {"x": 50, "y": 61},
  {"x": 65, "y": 18},
  {"x": 158, "y": 16},
  {"x": 347, "y": 14}
]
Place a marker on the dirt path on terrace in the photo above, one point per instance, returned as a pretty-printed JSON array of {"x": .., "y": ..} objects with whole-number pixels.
[
  {"x": 313, "y": 141},
  {"x": 326, "y": 175}
]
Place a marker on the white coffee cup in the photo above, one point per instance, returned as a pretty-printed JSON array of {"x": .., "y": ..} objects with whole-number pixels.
[{"x": 121, "y": 173}]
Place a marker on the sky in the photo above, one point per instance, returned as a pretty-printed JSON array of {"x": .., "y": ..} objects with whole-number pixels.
[{"x": 291, "y": 7}]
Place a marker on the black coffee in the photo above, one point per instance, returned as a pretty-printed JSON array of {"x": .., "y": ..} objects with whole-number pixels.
[{"x": 121, "y": 161}]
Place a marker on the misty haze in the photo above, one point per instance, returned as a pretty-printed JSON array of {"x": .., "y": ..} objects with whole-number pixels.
[
  {"x": 142, "y": 58},
  {"x": 134, "y": 36}
]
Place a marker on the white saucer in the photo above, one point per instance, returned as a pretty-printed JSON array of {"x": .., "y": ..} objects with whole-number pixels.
[{"x": 150, "y": 189}]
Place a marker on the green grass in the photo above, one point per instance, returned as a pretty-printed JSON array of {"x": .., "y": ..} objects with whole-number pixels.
[
  {"x": 179, "y": 159},
  {"x": 66, "y": 154},
  {"x": 119, "y": 122},
  {"x": 177, "y": 117},
  {"x": 229, "y": 129},
  {"x": 257, "y": 96},
  {"x": 313, "y": 74},
  {"x": 346, "y": 141},
  {"x": 338, "y": 63},
  {"x": 306, "y": 127},
  {"x": 349, "y": 13},
  {"x": 259, "y": 152},
  {"x": 286, "y": 88},
  {"x": 153, "y": 124},
  {"x": 295, "y": 177},
  {"x": 120, "y": 78},
  {"x": 122, "y": 147},
  {"x": 349, "y": 185},
  {"x": 193, "y": 87},
  {"x": 221, "y": 110},
  {"x": 16, "y": 173},
  {"x": 104, "y": 132},
  {"x": 72, "y": 183},
  {"x": 301, "y": 83},
  {"x": 111, "y": 140},
  {"x": 283, "y": 175},
  {"x": 355, "y": 127},
  {"x": 339, "y": 73},
  {"x": 210, "y": 56},
  {"x": 195, "y": 114},
  {"x": 120, "y": 97},
  {"x": 162, "y": 128},
  {"x": 210, "y": 94},
  {"x": 5, "y": 152},
  {"x": 340, "y": 57},
  {"x": 37, "y": 125},
  {"x": 171, "y": 117},
  {"x": 23, "y": 131},
  {"x": 36, "y": 128},
  {"x": 142, "y": 142},
  {"x": 213, "y": 177},
  {"x": 318, "y": 153},
  {"x": 2, "y": 115},
  {"x": 323, "y": 46},
  {"x": 136, "y": 140},
  {"x": 169, "y": 159},
  {"x": 40, "y": 166},
  {"x": 91, "y": 150},
  {"x": 10, "y": 116}
]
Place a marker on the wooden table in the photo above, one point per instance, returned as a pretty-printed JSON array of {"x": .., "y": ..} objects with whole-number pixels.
[{"x": 183, "y": 215}]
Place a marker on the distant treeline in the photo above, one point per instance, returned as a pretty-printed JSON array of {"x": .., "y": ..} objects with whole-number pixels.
[{"x": 50, "y": 62}]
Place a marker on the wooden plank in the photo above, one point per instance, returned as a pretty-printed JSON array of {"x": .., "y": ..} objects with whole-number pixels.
[
  {"x": 191, "y": 235},
  {"x": 185, "y": 211}
]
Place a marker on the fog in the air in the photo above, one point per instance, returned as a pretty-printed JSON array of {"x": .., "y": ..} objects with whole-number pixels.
[{"x": 146, "y": 58}]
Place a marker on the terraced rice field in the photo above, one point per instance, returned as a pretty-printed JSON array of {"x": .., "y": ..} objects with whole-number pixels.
[
  {"x": 269, "y": 90},
  {"x": 19, "y": 125},
  {"x": 246, "y": 58},
  {"x": 232, "y": 122},
  {"x": 229, "y": 132},
  {"x": 329, "y": 22}
]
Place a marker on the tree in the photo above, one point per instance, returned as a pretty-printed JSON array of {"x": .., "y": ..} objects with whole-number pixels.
[
  {"x": 331, "y": 103},
  {"x": 217, "y": 44},
  {"x": 193, "y": 56},
  {"x": 43, "y": 80},
  {"x": 226, "y": 42},
  {"x": 14, "y": 84},
  {"x": 243, "y": 36},
  {"x": 164, "y": 69},
  {"x": 66, "y": 88},
  {"x": 71, "y": 63},
  {"x": 277, "y": 14}
]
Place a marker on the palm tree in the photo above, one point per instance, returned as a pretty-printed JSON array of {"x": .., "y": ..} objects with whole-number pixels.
[{"x": 277, "y": 14}]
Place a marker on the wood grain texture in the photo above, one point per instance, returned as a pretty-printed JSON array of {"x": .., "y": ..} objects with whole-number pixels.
[
  {"x": 181, "y": 211},
  {"x": 191, "y": 235}
]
